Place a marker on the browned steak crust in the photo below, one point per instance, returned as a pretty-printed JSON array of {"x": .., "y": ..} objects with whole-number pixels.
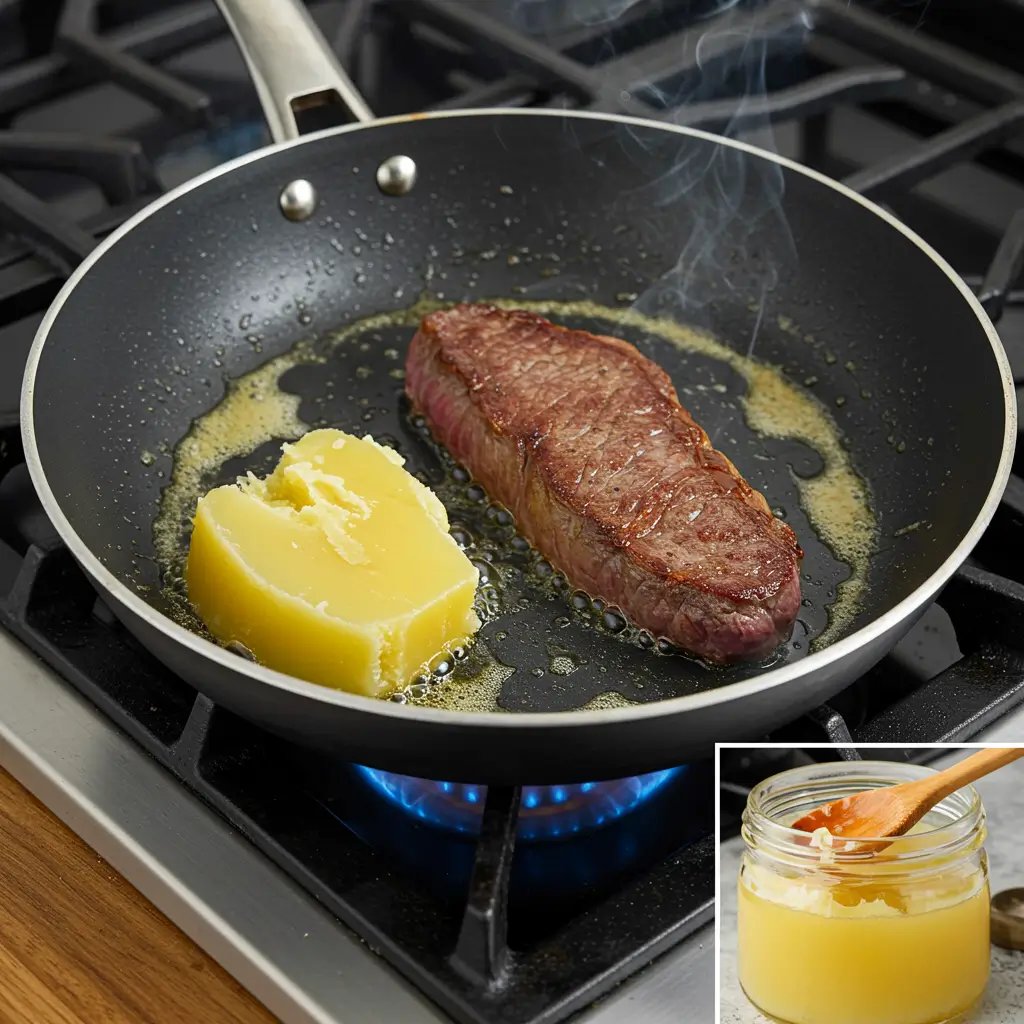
[{"x": 584, "y": 440}]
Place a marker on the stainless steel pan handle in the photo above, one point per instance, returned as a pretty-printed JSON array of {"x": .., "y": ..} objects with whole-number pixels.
[{"x": 289, "y": 61}]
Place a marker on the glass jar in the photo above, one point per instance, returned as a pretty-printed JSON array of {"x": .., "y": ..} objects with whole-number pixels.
[{"x": 854, "y": 934}]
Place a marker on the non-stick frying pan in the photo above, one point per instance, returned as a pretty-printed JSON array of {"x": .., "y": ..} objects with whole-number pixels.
[{"x": 213, "y": 280}]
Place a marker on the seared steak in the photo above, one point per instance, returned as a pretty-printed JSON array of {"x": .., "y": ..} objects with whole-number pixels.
[{"x": 585, "y": 442}]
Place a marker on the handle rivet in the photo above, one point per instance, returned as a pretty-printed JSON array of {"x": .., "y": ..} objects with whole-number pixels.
[
  {"x": 298, "y": 199},
  {"x": 396, "y": 176}
]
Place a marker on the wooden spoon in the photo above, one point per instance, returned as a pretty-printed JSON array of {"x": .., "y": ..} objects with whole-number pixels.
[{"x": 894, "y": 810}]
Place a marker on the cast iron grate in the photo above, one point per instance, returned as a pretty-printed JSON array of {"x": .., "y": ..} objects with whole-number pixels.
[
  {"x": 118, "y": 166},
  {"x": 143, "y": 42},
  {"x": 79, "y": 39}
]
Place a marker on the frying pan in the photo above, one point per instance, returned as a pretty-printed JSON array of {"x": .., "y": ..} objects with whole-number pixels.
[{"x": 212, "y": 281}]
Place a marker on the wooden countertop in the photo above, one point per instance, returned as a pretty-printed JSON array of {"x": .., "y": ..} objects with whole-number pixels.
[{"x": 79, "y": 945}]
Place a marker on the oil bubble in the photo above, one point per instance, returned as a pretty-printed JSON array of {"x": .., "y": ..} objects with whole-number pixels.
[
  {"x": 486, "y": 570},
  {"x": 502, "y": 516},
  {"x": 613, "y": 621},
  {"x": 461, "y": 536}
]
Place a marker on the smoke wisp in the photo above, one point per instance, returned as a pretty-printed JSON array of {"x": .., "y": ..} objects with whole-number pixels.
[{"x": 733, "y": 197}]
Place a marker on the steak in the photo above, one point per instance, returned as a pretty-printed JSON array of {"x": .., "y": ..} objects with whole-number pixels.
[{"x": 583, "y": 439}]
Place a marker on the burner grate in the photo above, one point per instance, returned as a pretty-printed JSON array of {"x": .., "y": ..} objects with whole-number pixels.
[
  {"x": 118, "y": 166},
  {"x": 152, "y": 38},
  {"x": 77, "y": 37}
]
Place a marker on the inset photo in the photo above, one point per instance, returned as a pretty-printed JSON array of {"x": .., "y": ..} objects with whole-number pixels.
[{"x": 870, "y": 885}]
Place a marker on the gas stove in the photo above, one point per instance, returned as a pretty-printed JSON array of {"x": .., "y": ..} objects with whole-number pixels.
[{"x": 336, "y": 893}]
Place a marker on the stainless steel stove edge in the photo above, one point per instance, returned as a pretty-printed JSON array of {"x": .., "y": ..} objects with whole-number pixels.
[
  {"x": 260, "y": 926},
  {"x": 275, "y": 939}
]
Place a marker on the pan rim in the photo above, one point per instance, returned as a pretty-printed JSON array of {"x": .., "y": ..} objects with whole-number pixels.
[{"x": 358, "y": 704}]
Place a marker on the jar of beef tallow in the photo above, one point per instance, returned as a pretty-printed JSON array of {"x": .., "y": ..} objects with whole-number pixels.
[{"x": 841, "y": 932}]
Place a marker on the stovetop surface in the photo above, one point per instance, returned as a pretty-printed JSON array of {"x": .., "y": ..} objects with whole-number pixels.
[{"x": 105, "y": 105}]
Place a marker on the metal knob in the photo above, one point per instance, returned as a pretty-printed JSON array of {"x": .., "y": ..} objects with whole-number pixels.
[{"x": 396, "y": 176}]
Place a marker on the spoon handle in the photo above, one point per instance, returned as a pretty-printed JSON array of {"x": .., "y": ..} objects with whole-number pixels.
[{"x": 969, "y": 770}]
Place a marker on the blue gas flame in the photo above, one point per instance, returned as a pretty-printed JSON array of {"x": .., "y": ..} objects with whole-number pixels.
[{"x": 546, "y": 812}]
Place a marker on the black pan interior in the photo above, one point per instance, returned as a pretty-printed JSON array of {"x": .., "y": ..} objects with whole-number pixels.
[{"x": 218, "y": 281}]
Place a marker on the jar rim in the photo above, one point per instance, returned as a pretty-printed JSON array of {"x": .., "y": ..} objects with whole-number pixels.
[{"x": 966, "y": 818}]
